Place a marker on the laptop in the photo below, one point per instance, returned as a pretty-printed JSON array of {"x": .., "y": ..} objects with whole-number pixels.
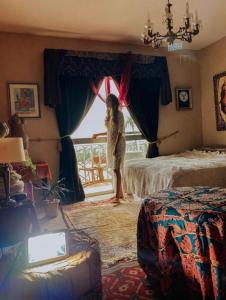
[{"x": 46, "y": 247}]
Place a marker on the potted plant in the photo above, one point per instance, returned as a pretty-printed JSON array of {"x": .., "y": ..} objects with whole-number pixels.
[{"x": 53, "y": 193}]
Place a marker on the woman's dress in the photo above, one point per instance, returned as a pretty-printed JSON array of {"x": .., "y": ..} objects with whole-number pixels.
[{"x": 113, "y": 129}]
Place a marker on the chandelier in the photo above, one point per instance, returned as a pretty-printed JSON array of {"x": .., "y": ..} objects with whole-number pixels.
[{"x": 190, "y": 28}]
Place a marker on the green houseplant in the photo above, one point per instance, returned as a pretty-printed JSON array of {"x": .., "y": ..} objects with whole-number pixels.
[{"x": 53, "y": 192}]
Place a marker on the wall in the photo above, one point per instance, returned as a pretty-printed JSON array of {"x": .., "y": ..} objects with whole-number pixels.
[
  {"x": 21, "y": 60},
  {"x": 212, "y": 61}
]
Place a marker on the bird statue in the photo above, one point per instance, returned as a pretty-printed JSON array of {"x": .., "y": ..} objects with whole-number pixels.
[
  {"x": 4, "y": 129},
  {"x": 17, "y": 129}
]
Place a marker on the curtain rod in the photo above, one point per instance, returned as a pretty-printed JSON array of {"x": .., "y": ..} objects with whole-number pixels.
[
  {"x": 140, "y": 58},
  {"x": 158, "y": 141}
]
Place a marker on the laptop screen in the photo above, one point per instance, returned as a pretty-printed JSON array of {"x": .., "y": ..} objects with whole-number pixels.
[{"x": 46, "y": 247}]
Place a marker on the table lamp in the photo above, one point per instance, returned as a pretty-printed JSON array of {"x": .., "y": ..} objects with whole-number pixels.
[{"x": 11, "y": 150}]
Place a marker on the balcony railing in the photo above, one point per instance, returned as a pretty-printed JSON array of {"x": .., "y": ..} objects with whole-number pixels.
[{"x": 91, "y": 156}]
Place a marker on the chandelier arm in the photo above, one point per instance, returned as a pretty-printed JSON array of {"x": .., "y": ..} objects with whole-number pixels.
[
  {"x": 183, "y": 34},
  {"x": 187, "y": 38},
  {"x": 158, "y": 36},
  {"x": 181, "y": 38},
  {"x": 151, "y": 34},
  {"x": 191, "y": 33},
  {"x": 154, "y": 38},
  {"x": 181, "y": 29},
  {"x": 161, "y": 37}
]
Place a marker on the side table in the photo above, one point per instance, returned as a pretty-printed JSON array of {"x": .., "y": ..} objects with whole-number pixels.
[{"x": 42, "y": 172}]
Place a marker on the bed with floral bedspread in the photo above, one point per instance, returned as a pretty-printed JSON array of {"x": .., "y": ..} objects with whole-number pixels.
[{"x": 181, "y": 242}]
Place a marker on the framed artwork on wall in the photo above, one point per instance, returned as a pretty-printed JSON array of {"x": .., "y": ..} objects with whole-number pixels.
[
  {"x": 183, "y": 98},
  {"x": 219, "y": 82},
  {"x": 24, "y": 100}
]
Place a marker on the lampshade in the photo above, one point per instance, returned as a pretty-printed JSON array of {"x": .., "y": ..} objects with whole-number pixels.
[{"x": 11, "y": 150}]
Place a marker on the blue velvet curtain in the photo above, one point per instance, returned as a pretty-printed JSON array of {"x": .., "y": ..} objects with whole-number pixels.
[
  {"x": 77, "y": 100},
  {"x": 144, "y": 109}
]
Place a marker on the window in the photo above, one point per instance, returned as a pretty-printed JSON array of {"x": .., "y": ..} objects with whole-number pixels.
[{"x": 91, "y": 155}]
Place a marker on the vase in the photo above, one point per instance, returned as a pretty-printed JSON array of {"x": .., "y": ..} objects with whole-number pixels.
[{"x": 51, "y": 208}]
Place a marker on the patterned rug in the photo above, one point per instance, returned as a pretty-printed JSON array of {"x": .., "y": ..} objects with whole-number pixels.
[
  {"x": 126, "y": 281},
  {"x": 114, "y": 227}
]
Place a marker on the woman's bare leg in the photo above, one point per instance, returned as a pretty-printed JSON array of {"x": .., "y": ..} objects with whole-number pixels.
[
  {"x": 116, "y": 199},
  {"x": 118, "y": 184},
  {"x": 120, "y": 179},
  {"x": 119, "y": 192}
]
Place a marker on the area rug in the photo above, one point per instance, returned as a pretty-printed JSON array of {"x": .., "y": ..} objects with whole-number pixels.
[
  {"x": 126, "y": 281},
  {"x": 114, "y": 227}
]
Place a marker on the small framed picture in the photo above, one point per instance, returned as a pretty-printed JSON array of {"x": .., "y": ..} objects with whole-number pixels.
[
  {"x": 183, "y": 98},
  {"x": 24, "y": 100}
]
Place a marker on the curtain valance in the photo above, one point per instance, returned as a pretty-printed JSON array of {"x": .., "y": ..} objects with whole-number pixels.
[{"x": 93, "y": 65}]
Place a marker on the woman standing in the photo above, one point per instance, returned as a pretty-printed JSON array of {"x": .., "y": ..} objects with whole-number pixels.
[{"x": 116, "y": 144}]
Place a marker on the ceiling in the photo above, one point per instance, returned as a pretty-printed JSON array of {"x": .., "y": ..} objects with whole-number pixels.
[{"x": 108, "y": 20}]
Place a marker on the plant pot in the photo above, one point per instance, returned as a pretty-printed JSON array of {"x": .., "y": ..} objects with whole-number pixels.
[{"x": 51, "y": 208}]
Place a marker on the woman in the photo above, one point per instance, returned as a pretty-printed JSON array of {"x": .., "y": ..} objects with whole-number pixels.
[{"x": 116, "y": 145}]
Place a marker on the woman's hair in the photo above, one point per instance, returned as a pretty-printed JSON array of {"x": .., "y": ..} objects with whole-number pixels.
[{"x": 112, "y": 104}]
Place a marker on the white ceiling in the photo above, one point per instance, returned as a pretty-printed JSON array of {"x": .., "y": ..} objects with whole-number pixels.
[{"x": 108, "y": 20}]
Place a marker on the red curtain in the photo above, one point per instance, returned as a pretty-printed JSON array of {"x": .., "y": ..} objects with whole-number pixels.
[
  {"x": 108, "y": 86},
  {"x": 108, "y": 89},
  {"x": 96, "y": 90},
  {"x": 123, "y": 87},
  {"x": 125, "y": 81}
]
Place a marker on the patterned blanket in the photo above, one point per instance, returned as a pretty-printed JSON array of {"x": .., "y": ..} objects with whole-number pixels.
[{"x": 182, "y": 244}]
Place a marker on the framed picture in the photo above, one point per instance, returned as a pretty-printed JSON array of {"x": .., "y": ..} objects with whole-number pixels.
[
  {"x": 183, "y": 98},
  {"x": 24, "y": 100},
  {"x": 219, "y": 82}
]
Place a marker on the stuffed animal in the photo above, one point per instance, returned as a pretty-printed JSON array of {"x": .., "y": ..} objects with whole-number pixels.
[{"x": 17, "y": 129}]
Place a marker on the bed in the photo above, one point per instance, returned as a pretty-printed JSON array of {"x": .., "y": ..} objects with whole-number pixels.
[
  {"x": 181, "y": 242},
  {"x": 145, "y": 176}
]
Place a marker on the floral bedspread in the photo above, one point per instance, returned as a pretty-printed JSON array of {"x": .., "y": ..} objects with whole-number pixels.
[{"x": 181, "y": 242}]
